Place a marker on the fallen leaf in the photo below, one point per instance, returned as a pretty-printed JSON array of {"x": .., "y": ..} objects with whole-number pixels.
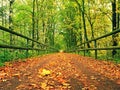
[
  {"x": 4, "y": 80},
  {"x": 61, "y": 80},
  {"x": 92, "y": 77},
  {"x": 44, "y": 72},
  {"x": 43, "y": 85},
  {"x": 92, "y": 87},
  {"x": 66, "y": 85}
]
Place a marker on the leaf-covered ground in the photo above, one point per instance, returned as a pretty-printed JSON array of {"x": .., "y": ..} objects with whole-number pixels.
[{"x": 60, "y": 71}]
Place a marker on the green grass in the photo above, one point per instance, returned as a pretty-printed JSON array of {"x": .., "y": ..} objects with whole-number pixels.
[
  {"x": 13, "y": 55},
  {"x": 107, "y": 57},
  {"x": 1, "y": 64}
]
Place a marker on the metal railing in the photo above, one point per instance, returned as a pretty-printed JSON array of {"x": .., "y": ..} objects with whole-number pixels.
[
  {"x": 78, "y": 47},
  {"x": 27, "y": 40}
]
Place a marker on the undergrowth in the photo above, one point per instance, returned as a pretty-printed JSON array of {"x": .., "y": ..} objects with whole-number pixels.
[{"x": 13, "y": 55}]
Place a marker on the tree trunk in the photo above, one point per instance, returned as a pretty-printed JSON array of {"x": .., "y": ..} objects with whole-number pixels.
[
  {"x": 90, "y": 21},
  {"x": 37, "y": 22},
  {"x": 83, "y": 19},
  {"x": 84, "y": 23},
  {"x": 5, "y": 16},
  {"x": 2, "y": 14},
  {"x": 118, "y": 15},
  {"x": 33, "y": 23},
  {"x": 80, "y": 27},
  {"x": 114, "y": 26},
  {"x": 2, "y": 19},
  {"x": 10, "y": 20}
]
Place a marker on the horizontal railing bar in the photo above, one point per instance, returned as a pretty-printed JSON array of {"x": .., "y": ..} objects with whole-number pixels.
[
  {"x": 17, "y": 47},
  {"x": 111, "y": 33},
  {"x": 12, "y": 32},
  {"x": 18, "y": 34},
  {"x": 106, "y": 48}
]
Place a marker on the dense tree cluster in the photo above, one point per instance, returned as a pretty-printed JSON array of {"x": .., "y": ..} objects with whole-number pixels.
[{"x": 63, "y": 24}]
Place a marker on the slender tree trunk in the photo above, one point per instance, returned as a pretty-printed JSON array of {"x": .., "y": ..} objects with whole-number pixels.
[
  {"x": 92, "y": 30},
  {"x": 118, "y": 18},
  {"x": 53, "y": 33},
  {"x": 90, "y": 20},
  {"x": 43, "y": 29},
  {"x": 118, "y": 15},
  {"x": 37, "y": 22},
  {"x": 84, "y": 23},
  {"x": 2, "y": 18},
  {"x": 5, "y": 17},
  {"x": 53, "y": 29},
  {"x": 82, "y": 10},
  {"x": 10, "y": 20},
  {"x": 114, "y": 26},
  {"x": 43, "y": 26},
  {"x": 2, "y": 13},
  {"x": 33, "y": 23},
  {"x": 80, "y": 27}
]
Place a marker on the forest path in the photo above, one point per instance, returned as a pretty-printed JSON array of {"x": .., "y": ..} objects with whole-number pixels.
[{"x": 60, "y": 71}]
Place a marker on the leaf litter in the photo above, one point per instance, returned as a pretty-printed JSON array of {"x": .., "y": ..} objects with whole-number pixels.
[{"x": 60, "y": 71}]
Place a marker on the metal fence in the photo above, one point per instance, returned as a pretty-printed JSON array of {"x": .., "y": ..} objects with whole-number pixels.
[
  {"x": 82, "y": 47},
  {"x": 41, "y": 46}
]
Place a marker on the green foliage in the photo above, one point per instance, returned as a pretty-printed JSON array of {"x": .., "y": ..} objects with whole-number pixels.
[
  {"x": 1, "y": 64},
  {"x": 57, "y": 23},
  {"x": 5, "y": 56},
  {"x": 12, "y": 55}
]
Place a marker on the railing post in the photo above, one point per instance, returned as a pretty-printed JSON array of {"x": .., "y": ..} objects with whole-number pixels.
[
  {"x": 78, "y": 52},
  {"x": 84, "y": 49},
  {"x": 95, "y": 44},
  {"x": 37, "y": 52},
  {"x": 27, "y": 49}
]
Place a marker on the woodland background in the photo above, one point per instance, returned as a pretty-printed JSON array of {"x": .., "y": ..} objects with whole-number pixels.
[{"x": 63, "y": 24}]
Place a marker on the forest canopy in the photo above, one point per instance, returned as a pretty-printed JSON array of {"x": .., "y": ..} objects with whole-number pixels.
[{"x": 63, "y": 24}]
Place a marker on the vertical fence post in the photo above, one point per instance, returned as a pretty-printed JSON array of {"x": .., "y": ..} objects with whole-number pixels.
[
  {"x": 84, "y": 49},
  {"x": 95, "y": 44},
  {"x": 27, "y": 49},
  {"x": 78, "y": 52},
  {"x": 37, "y": 52}
]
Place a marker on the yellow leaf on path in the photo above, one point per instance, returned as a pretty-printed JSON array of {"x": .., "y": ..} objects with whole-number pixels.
[
  {"x": 44, "y": 72},
  {"x": 66, "y": 84},
  {"x": 92, "y": 77},
  {"x": 8, "y": 64},
  {"x": 43, "y": 85}
]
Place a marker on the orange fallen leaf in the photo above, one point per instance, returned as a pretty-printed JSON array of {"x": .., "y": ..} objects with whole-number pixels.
[{"x": 61, "y": 80}]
